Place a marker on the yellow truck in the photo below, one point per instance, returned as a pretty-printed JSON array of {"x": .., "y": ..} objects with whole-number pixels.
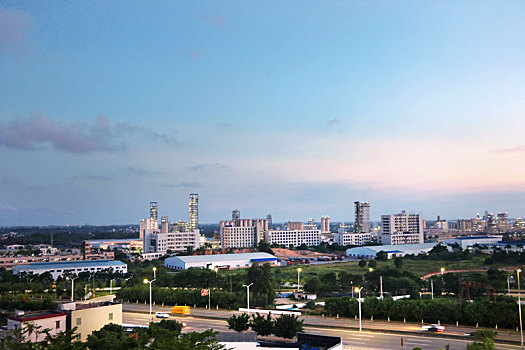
[{"x": 182, "y": 310}]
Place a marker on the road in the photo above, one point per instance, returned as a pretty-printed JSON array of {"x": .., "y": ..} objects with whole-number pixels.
[
  {"x": 341, "y": 323},
  {"x": 353, "y": 340}
]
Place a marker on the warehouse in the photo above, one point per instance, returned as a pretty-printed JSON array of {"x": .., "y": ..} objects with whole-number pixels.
[
  {"x": 59, "y": 268},
  {"x": 220, "y": 261},
  {"x": 370, "y": 252}
]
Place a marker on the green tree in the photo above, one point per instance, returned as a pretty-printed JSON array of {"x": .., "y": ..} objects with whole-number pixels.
[
  {"x": 262, "y": 325},
  {"x": 484, "y": 340},
  {"x": 362, "y": 263},
  {"x": 112, "y": 336},
  {"x": 372, "y": 264},
  {"x": 239, "y": 323},
  {"x": 398, "y": 262},
  {"x": 264, "y": 247},
  {"x": 313, "y": 285},
  {"x": 287, "y": 326},
  {"x": 381, "y": 256}
]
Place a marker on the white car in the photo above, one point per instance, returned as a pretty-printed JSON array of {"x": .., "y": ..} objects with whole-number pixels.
[
  {"x": 433, "y": 328},
  {"x": 162, "y": 315}
]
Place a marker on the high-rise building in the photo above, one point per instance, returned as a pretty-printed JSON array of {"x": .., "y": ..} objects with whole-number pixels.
[
  {"x": 153, "y": 211},
  {"x": 270, "y": 222},
  {"x": 194, "y": 211},
  {"x": 401, "y": 228},
  {"x": 325, "y": 224},
  {"x": 236, "y": 216},
  {"x": 164, "y": 224},
  {"x": 294, "y": 225},
  {"x": 502, "y": 222},
  {"x": 362, "y": 217},
  {"x": 310, "y": 225}
]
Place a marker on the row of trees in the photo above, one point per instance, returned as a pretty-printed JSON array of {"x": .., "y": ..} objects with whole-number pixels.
[
  {"x": 285, "y": 326},
  {"x": 503, "y": 312},
  {"x": 164, "y": 335}
]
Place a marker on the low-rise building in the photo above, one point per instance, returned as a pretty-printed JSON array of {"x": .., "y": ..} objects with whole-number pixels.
[
  {"x": 33, "y": 324},
  {"x": 220, "y": 261},
  {"x": 58, "y": 269},
  {"x": 9, "y": 262},
  {"x": 88, "y": 317},
  {"x": 350, "y": 238},
  {"x": 470, "y": 241},
  {"x": 370, "y": 252},
  {"x": 294, "y": 237},
  {"x": 171, "y": 241}
]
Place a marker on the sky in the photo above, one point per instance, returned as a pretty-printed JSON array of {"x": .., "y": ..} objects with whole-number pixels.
[{"x": 293, "y": 108}]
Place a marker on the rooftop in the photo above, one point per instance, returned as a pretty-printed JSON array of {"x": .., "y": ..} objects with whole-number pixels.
[
  {"x": 477, "y": 237},
  {"x": 116, "y": 240},
  {"x": 223, "y": 257},
  {"x": 70, "y": 264},
  {"x": 397, "y": 247},
  {"x": 37, "y": 315}
]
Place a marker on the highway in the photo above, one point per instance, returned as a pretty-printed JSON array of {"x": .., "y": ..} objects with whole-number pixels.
[{"x": 351, "y": 339}]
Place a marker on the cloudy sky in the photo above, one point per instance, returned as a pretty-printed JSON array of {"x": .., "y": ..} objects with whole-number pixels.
[{"x": 295, "y": 108}]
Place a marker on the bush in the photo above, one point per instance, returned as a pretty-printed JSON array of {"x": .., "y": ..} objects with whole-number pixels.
[{"x": 239, "y": 323}]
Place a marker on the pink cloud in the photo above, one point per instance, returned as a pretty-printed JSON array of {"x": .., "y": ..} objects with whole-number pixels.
[{"x": 14, "y": 27}]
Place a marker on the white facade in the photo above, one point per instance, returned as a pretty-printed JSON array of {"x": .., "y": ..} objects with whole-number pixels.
[
  {"x": 294, "y": 237},
  {"x": 230, "y": 261},
  {"x": 350, "y": 238},
  {"x": 470, "y": 241},
  {"x": 401, "y": 228},
  {"x": 156, "y": 242},
  {"x": 243, "y": 233},
  {"x": 54, "y": 322},
  {"x": 370, "y": 252},
  {"x": 59, "y": 268}
]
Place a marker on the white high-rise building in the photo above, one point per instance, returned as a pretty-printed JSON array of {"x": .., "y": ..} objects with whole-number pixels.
[
  {"x": 325, "y": 224},
  {"x": 194, "y": 211},
  {"x": 401, "y": 228}
]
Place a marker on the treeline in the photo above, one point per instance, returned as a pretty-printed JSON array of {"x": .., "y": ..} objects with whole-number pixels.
[
  {"x": 503, "y": 312},
  {"x": 191, "y": 297},
  {"x": 10, "y": 302}
]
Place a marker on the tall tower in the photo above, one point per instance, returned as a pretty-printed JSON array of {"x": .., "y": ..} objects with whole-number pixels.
[
  {"x": 236, "y": 217},
  {"x": 270, "y": 222},
  {"x": 153, "y": 210},
  {"x": 164, "y": 226},
  {"x": 362, "y": 217},
  {"x": 194, "y": 211}
]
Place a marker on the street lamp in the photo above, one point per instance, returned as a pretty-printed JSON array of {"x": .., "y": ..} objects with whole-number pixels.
[
  {"x": 519, "y": 307},
  {"x": 358, "y": 290},
  {"x": 154, "y": 273},
  {"x": 442, "y": 271},
  {"x": 248, "y": 295},
  {"x": 73, "y": 287},
  {"x": 146, "y": 281},
  {"x": 370, "y": 269},
  {"x": 299, "y": 278}
]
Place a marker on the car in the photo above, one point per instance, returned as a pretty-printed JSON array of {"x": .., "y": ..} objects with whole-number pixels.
[
  {"x": 433, "y": 328},
  {"x": 162, "y": 315}
]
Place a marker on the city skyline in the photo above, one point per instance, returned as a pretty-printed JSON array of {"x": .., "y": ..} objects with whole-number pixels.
[{"x": 294, "y": 109}]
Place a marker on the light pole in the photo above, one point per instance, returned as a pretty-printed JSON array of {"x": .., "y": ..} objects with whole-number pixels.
[
  {"x": 73, "y": 287},
  {"x": 519, "y": 307},
  {"x": 146, "y": 281},
  {"x": 358, "y": 290},
  {"x": 352, "y": 287},
  {"x": 154, "y": 273},
  {"x": 111, "y": 286},
  {"x": 247, "y": 295},
  {"x": 299, "y": 278},
  {"x": 442, "y": 271}
]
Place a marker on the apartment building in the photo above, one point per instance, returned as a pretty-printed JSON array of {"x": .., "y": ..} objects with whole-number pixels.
[
  {"x": 294, "y": 237},
  {"x": 402, "y": 228}
]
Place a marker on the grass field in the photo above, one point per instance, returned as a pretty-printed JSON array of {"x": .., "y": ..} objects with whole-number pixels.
[{"x": 417, "y": 267}]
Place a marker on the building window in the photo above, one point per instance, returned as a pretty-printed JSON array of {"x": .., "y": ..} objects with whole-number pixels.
[
  {"x": 79, "y": 321},
  {"x": 57, "y": 324},
  {"x": 110, "y": 316}
]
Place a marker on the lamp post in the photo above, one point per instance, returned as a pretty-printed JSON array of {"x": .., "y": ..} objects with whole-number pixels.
[
  {"x": 154, "y": 273},
  {"x": 111, "y": 286},
  {"x": 299, "y": 278},
  {"x": 73, "y": 287},
  {"x": 442, "y": 271},
  {"x": 247, "y": 295},
  {"x": 352, "y": 287},
  {"x": 358, "y": 290},
  {"x": 519, "y": 307},
  {"x": 146, "y": 281}
]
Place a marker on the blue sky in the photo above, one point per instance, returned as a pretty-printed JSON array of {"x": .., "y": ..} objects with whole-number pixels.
[{"x": 293, "y": 108}]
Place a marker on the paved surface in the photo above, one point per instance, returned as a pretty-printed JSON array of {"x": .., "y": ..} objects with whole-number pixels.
[
  {"x": 351, "y": 339},
  {"x": 376, "y": 336}
]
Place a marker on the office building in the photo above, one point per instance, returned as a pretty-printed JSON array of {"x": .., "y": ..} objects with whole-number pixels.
[
  {"x": 236, "y": 217},
  {"x": 61, "y": 268},
  {"x": 91, "y": 316},
  {"x": 470, "y": 241},
  {"x": 502, "y": 222},
  {"x": 325, "y": 224},
  {"x": 164, "y": 225},
  {"x": 401, "y": 228},
  {"x": 362, "y": 217},
  {"x": 294, "y": 237},
  {"x": 310, "y": 225},
  {"x": 270, "y": 222},
  {"x": 164, "y": 243},
  {"x": 221, "y": 261},
  {"x": 194, "y": 211},
  {"x": 243, "y": 233},
  {"x": 344, "y": 238},
  {"x": 153, "y": 211}
]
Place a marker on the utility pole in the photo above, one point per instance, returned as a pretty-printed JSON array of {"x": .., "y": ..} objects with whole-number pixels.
[
  {"x": 381, "y": 286},
  {"x": 432, "y": 288},
  {"x": 248, "y": 295}
]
